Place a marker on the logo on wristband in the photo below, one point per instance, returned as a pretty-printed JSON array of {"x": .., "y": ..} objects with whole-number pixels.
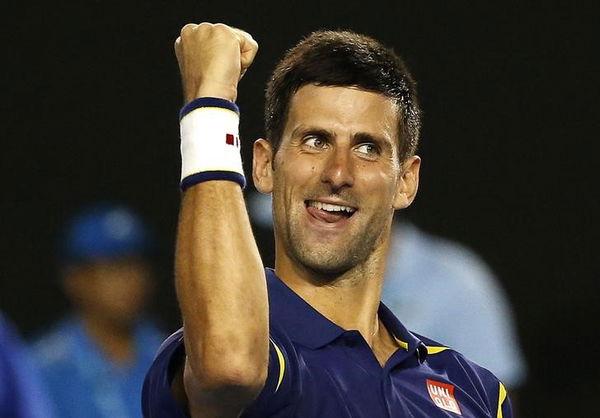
[{"x": 231, "y": 139}]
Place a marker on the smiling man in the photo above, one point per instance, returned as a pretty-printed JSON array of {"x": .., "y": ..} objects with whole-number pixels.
[{"x": 311, "y": 337}]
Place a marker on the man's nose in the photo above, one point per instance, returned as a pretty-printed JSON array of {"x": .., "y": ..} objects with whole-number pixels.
[{"x": 338, "y": 171}]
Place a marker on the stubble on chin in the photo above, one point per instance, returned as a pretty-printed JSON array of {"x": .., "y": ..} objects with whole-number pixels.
[{"x": 333, "y": 259}]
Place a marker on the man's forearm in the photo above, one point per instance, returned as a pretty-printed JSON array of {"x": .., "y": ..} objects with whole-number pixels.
[{"x": 221, "y": 287}]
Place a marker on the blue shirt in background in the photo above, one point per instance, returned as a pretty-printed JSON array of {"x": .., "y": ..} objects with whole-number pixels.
[
  {"x": 82, "y": 382},
  {"x": 21, "y": 394},
  {"x": 317, "y": 369}
]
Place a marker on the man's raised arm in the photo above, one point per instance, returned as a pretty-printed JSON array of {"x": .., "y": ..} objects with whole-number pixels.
[{"x": 220, "y": 279}]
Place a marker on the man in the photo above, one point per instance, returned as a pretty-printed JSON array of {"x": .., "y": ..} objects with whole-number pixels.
[
  {"x": 312, "y": 338},
  {"x": 93, "y": 362}
]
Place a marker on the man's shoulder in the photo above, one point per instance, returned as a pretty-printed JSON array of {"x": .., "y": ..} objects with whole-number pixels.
[
  {"x": 444, "y": 354},
  {"x": 459, "y": 369}
]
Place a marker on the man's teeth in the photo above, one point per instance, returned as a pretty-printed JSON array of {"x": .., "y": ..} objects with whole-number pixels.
[{"x": 331, "y": 208}]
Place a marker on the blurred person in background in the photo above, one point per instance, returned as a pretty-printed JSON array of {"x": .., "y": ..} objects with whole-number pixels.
[
  {"x": 93, "y": 362},
  {"x": 443, "y": 289},
  {"x": 438, "y": 288},
  {"x": 21, "y": 394}
]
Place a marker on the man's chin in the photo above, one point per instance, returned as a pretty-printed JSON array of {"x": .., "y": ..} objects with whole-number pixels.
[
  {"x": 124, "y": 322},
  {"x": 327, "y": 264}
]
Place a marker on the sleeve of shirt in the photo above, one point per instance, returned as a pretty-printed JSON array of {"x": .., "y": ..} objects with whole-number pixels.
[
  {"x": 275, "y": 399},
  {"x": 496, "y": 394},
  {"x": 157, "y": 399},
  {"x": 476, "y": 382}
]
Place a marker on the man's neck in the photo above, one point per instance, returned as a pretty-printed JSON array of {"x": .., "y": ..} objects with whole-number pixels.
[
  {"x": 350, "y": 300},
  {"x": 116, "y": 342}
]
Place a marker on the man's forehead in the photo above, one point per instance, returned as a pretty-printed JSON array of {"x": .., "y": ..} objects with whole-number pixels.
[
  {"x": 342, "y": 107},
  {"x": 312, "y": 90}
]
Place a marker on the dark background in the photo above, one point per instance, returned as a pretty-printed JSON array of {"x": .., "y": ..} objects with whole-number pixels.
[{"x": 90, "y": 100}]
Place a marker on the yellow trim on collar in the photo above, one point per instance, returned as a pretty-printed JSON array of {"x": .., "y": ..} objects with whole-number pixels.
[
  {"x": 401, "y": 343},
  {"x": 436, "y": 349}
]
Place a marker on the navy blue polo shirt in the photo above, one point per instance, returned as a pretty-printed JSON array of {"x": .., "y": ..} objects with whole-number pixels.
[{"x": 317, "y": 369}]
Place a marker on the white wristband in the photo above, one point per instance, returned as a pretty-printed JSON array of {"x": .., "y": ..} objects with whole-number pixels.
[{"x": 210, "y": 144}]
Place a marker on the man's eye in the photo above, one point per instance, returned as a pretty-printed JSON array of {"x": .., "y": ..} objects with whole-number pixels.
[
  {"x": 368, "y": 149},
  {"x": 315, "y": 142}
]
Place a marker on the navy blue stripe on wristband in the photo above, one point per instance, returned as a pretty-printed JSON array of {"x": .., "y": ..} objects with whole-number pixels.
[
  {"x": 208, "y": 102},
  {"x": 213, "y": 175}
]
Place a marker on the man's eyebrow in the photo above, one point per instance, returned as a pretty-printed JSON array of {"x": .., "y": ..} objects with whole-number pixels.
[{"x": 303, "y": 130}]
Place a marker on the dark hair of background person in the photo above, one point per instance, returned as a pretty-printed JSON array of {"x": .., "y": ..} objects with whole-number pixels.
[{"x": 344, "y": 58}]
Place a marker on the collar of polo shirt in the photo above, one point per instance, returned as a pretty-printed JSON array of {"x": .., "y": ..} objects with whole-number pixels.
[{"x": 306, "y": 326}]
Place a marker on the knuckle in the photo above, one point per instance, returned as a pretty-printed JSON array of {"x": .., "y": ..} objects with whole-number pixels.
[
  {"x": 187, "y": 30},
  {"x": 221, "y": 27},
  {"x": 206, "y": 30},
  {"x": 204, "y": 27}
]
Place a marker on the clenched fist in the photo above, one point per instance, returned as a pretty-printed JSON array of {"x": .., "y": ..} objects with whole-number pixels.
[{"x": 212, "y": 59}]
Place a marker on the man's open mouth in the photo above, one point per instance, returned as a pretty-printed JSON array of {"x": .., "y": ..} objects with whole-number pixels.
[{"x": 329, "y": 212}]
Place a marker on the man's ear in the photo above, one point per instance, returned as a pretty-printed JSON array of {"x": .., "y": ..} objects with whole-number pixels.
[
  {"x": 408, "y": 183},
  {"x": 262, "y": 166}
]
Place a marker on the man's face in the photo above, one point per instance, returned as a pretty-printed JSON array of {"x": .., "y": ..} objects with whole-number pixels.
[
  {"x": 111, "y": 290},
  {"x": 336, "y": 177}
]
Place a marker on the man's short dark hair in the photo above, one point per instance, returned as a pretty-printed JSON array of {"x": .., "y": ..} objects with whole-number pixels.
[{"x": 343, "y": 59}]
